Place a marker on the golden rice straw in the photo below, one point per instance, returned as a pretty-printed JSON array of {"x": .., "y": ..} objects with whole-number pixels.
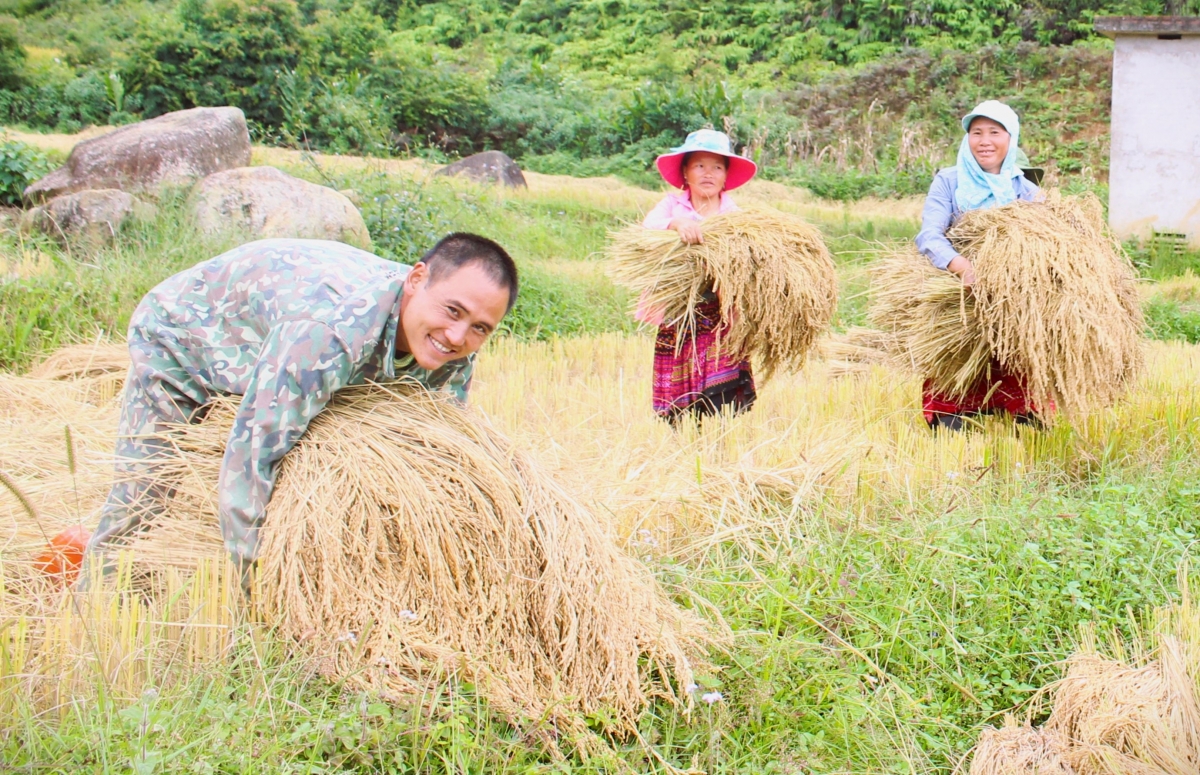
[
  {"x": 79, "y": 361},
  {"x": 1055, "y": 301},
  {"x": 772, "y": 272},
  {"x": 1122, "y": 719},
  {"x": 1056, "y": 298},
  {"x": 407, "y": 537},
  {"x": 930, "y": 322},
  {"x": 856, "y": 350},
  {"x": 1019, "y": 749}
]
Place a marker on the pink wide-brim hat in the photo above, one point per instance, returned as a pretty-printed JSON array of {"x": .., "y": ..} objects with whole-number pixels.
[{"x": 738, "y": 173}]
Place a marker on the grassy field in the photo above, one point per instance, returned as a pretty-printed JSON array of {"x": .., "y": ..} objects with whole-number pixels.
[{"x": 887, "y": 591}]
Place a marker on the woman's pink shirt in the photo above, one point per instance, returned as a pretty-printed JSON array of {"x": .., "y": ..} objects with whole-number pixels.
[
  {"x": 679, "y": 205},
  {"x": 673, "y": 206}
]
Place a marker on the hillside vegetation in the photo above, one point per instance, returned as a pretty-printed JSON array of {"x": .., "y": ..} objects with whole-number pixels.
[{"x": 846, "y": 98}]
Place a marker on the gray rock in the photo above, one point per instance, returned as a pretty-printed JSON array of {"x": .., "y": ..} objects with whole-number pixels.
[
  {"x": 264, "y": 202},
  {"x": 90, "y": 217},
  {"x": 173, "y": 149},
  {"x": 487, "y": 167}
]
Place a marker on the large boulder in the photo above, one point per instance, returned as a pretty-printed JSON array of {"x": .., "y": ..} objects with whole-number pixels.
[
  {"x": 92, "y": 217},
  {"x": 172, "y": 149},
  {"x": 264, "y": 202},
  {"x": 487, "y": 167}
]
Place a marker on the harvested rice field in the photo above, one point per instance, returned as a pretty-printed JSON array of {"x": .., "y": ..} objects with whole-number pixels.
[{"x": 820, "y": 585}]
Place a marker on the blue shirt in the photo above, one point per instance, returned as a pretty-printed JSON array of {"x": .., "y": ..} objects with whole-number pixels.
[{"x": 941, "y": 213}]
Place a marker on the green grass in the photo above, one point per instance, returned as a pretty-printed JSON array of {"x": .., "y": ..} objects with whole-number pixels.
[
  {"x": 858, "y": 647},
  {"x": 81, "y": 294}
]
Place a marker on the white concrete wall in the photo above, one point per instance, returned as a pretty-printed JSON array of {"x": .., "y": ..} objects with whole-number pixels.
[{"x": 1154, "y": 172}]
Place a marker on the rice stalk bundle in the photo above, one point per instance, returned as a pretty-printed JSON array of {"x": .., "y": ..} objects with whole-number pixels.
[
  {"x": 771, "y": 271},
  {"x": 1019, "y": 749},
  {"x": 407, "y": 538},
  {"x": 856, "y": 350},
  {"x": 930, "y": 322},
  {"x": 1129, "y": 719},
  {"x": 79, "y": 361},
  {"x": 1135, "y": 711},
  {"x": 1055, "y": 302},
  {"x": 1056, "y": 298}
]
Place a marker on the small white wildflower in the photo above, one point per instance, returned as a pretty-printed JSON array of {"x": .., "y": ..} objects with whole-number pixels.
[
  {"x": 711, "y": 697},
  {"x": 408, "y": 616},
  {"x": 383, "y": 662},
  {"x": 693, "y": 688},
  {"x": 349, "y": 637},
  {"x": 952, "y": 475},
  {"x": 1018, "y": 465}
]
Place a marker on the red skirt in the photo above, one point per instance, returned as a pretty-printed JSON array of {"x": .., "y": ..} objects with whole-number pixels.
[
  {"x": 699, "y": 376},
  {"x": 1004, "y": 392}
]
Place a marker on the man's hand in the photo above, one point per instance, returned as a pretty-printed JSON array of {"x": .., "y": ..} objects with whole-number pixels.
[
  {"x": 964, "y": 269},
  {"x": 689, "y": 231}
]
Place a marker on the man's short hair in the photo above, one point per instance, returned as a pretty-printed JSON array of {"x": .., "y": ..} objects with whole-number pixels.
[{"x": 459, "y": 249}]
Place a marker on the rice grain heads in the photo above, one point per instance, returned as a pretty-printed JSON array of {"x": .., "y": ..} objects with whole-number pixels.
[
  {"x": 1056, "y": 297},
  {"x": 1019, "y": 749},
  {"x": 1134, "y": 711},
  {"x": 772, "y": 272},
  {"x": 406, "y": 538},
  {"x": 1055, "y": 301},
  {"x": 930, "y": 322}
]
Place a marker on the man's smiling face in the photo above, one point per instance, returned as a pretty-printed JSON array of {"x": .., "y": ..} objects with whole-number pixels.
[{"x": 451, "y": 317}]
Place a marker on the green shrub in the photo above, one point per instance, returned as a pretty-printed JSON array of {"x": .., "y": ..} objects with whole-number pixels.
[
  {"x": 851, "y": 184},
  {"x": 12, "y": 56},
  {"x": 216, "y": 52},
  {"x": 404, "y": 222},
  {"x": 81, "y": 101},
  {"x": 1170, "y": 320},
  {"x": 20, "y": 165},
  {"x": 344, "y": 40},
  {"x": 428, "y": 99}
]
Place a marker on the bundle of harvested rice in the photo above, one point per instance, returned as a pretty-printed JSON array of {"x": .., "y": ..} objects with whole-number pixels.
[
  {"x": 79, "y": 361},
  {"x": 856, "y": 350},
  {"x": 1019, "y": 749},
  {"x": 1055, "y": 301},
  {"x": 1134, "y": 712},
  {"x": 1129, "y": 719},
  {"x": 771, "y": 271},
  {"x": 407, "y": 537},
  {"x": 929, "y": 322},
  {"x": 1056, "y": 297}
]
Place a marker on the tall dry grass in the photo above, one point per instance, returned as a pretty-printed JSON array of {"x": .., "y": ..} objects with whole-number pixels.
[{"x": 581, "y": 407}]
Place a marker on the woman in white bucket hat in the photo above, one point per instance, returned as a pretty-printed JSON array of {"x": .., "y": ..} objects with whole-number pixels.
[
  {"x": 989, "y": 173},
  {"x": 696, "y": 376}
]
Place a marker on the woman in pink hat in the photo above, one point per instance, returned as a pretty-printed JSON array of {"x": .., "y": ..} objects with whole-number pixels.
[{"x": 696, "y": 375}]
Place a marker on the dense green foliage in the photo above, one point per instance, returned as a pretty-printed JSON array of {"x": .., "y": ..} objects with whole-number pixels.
[
  {"x": 820, "y": 92},
  {"x": 20, "y": 165},
  {"x": 1168, "y": 319}
]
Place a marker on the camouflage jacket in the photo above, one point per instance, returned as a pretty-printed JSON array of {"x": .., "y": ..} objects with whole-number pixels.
[{"x": 284, "y": 323}]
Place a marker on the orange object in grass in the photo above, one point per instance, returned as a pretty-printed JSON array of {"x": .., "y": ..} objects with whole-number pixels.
[{"x": 62, "y": 559}]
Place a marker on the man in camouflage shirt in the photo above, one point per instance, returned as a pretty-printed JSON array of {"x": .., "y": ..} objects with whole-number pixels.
[{"x": 285, "y": 323}]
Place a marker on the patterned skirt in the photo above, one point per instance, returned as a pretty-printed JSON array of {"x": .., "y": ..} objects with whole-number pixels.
[
  {"x": 1004, "y": 392},
  {"x": 700, "y": 377}
]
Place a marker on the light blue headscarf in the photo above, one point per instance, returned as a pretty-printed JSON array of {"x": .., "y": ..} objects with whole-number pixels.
[{"x": 976, "y": 188}]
